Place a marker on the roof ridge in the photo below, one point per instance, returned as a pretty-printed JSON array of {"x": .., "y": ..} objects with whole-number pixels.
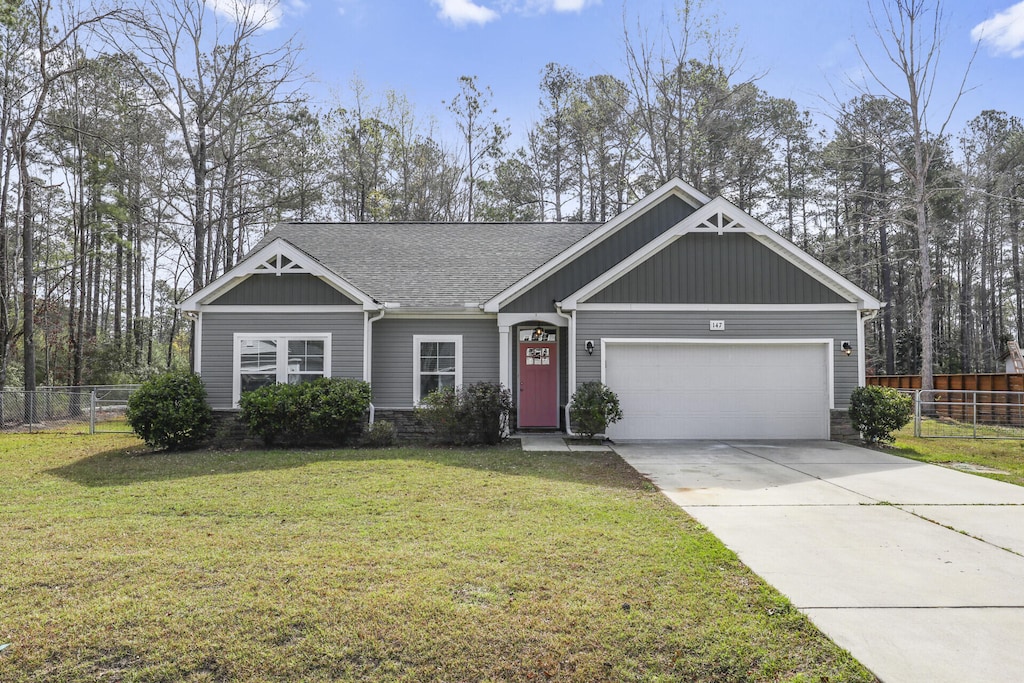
[{"x": 303, "y": 223}]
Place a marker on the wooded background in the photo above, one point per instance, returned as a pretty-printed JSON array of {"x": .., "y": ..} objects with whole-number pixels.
[{"x": 147, "y": 147}]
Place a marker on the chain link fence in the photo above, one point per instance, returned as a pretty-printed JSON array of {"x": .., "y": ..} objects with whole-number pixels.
[{"x": 96, "y": 408}]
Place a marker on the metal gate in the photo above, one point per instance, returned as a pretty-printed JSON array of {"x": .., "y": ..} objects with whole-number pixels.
[{"x": 969, "y": 414}]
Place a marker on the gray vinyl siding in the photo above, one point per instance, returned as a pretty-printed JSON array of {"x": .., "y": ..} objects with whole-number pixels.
[
  {"x": 296, "y": 289},
  {"x": 702, "y": 268},
  {"x": 392, "y": 376},
  {"x": 218, "y": 330},
  {"x": 589, "y": 265},
  {"x": 839, "y": 325}
]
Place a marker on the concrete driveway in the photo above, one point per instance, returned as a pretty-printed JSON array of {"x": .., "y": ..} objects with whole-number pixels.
[{"x": 917, "y": 570}]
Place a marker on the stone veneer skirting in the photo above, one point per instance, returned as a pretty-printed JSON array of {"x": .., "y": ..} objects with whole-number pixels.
[
  {"x": 407, "y": 427},
  {"x": 229, "y": 432},
  {"x": 841, "y": 429}
]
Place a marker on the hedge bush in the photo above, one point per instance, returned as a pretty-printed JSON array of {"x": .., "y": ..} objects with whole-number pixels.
[
  {"x": 170, "y": 411},
  {"x": 593, "y": 407},
  {"x": 329, "y": 410},
  {"x": 475, "y": 414},
  {"x": 273, "y": 410},
  {"x": 877, "y": 412}
]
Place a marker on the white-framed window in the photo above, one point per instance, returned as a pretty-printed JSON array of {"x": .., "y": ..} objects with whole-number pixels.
[
  {"x": 262, "y": 359},
  {"x": 436, "y": 363}
]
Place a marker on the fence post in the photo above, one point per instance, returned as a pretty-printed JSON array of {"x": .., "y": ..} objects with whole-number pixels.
[
  {"x": 974, "y": 402},
  {"x": 92, "y": 411},
  {"x": 917, "y": 413}
]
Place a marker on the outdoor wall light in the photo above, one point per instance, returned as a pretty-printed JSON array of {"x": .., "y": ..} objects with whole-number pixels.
[
  {"x": 847, "y": 348},
  {"x": 589, "y": 346}
]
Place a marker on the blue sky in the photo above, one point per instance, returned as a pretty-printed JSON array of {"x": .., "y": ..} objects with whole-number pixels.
[{"x": 805, "y": 48}]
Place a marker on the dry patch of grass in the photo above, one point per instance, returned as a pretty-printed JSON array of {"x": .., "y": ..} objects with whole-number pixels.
[
  {"x": 1005, "y": 455},
  {"x": 407, "y": 565}
]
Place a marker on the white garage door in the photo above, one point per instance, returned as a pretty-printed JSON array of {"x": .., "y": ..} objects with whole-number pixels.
[{"x": 687, "y": 390}]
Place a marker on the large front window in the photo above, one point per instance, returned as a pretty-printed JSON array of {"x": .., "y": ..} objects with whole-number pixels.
[
  {"x": 437, "y": 363},
  {"x": 280, "y": 358}
]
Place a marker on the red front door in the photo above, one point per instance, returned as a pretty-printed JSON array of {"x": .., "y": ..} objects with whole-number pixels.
[{"x": 538, "y": 384}]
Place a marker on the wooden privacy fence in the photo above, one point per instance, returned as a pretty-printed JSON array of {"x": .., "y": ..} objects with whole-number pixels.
[{"x": 994, "y": 398}]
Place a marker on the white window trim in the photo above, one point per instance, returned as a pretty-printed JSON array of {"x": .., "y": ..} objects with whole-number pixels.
[
  {"x": 417, "y": 340},
  {"x": 282, "y": 351}
]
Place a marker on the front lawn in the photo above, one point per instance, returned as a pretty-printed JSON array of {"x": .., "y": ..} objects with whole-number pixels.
[{"x": 413, "y": 565}]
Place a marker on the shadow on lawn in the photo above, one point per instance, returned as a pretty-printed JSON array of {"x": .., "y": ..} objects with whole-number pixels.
[{"x": 121, "y": 468}]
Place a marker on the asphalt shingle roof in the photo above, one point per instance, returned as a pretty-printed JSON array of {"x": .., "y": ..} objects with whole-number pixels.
[{"x": 431, "y": 265}]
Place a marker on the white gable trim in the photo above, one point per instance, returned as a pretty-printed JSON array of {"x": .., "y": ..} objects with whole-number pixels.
[
  {"x": 722, "y": 216},
  {"x": 278, "y": 258},
  {"x": 674, "y": 187}
]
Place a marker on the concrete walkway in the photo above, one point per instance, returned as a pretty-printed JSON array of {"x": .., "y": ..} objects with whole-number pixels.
[
  {"x": 556, "y": 443},
  {"x": 917, "y": 570}
]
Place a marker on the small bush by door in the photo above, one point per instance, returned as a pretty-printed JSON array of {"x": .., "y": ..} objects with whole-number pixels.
[{"x": 594, "y": 406}]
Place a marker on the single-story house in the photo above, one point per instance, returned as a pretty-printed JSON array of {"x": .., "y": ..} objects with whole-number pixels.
[{"x": 706, "y": 323}]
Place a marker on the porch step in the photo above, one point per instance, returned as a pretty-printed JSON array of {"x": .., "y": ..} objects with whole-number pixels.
[
  {"x": 555, "y": 443},
  {"x": 543, "y": 442}
]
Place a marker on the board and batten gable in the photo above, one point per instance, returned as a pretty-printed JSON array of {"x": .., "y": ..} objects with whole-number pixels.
[
  {"x": 596, "y": 260},
  {"x": 839, "y": 325},
  {"x": 392, "y": 371},
  {"x": 703, "y": 268},
  {"x": 219, "y": 329},
  {"x": 291, "y": 289}
]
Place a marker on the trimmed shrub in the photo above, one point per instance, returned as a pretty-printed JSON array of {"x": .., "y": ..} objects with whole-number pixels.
[
  {"x": 475, "y": 414},
  {"x": 593, "y": 407},
  {"x": 272, "y": 411},
  {"x": 337, "y": 408},
  {"x": 328, "y": 410},
  {"x": 170, "y": 411},
  {"x": 440, "y": 412},
  {"x": 487, "y": 406},
  {"x": 877, "y": 412},
  {"x": 380, "y": 434}
]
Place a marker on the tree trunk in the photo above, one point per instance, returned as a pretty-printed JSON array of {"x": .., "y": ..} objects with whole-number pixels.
[{"x": 28, "y": 279}]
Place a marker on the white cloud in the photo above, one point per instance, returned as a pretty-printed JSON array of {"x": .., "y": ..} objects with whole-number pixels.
[
  {"x": 534, "y": 7},
  {"x": 1003, "y": 33},
  {"x": 254, "y": 12},
  {"x": 462, "y": 12},
  {"x": 296, "y": 7},
  {"x": 568, "y": 5}
]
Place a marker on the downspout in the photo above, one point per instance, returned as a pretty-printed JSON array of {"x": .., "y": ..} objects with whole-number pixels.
[
  {"x": 197, "y": 344},
  {"x": 571, "y": 318},
  {"x": 368, "y": 348},
  {"x": 866, "y": 316}
]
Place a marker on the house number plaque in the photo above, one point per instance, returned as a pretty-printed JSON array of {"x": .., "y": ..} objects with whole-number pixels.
[{"x": 717, "y": 325}]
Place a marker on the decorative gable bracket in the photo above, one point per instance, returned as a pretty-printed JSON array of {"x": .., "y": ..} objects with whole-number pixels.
[
  {"x": 280, "y": 263},
  {"x": 718, "y": 222}
]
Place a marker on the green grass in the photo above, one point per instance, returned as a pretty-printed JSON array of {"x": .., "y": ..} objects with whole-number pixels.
[
  {"x": 1001, "y": 454},
  {"x": 468, "y": 565}
]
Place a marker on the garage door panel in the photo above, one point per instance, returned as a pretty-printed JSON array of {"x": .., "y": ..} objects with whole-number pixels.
[{"x": 689, "y": 390}]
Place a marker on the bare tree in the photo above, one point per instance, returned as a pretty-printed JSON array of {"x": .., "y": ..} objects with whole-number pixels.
[
  {"x": 482, "y": 135},
  {"x": 206, "y": 72},
  {"x": 49, "y": 36},
  {"x": 910, "y": 34}
]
